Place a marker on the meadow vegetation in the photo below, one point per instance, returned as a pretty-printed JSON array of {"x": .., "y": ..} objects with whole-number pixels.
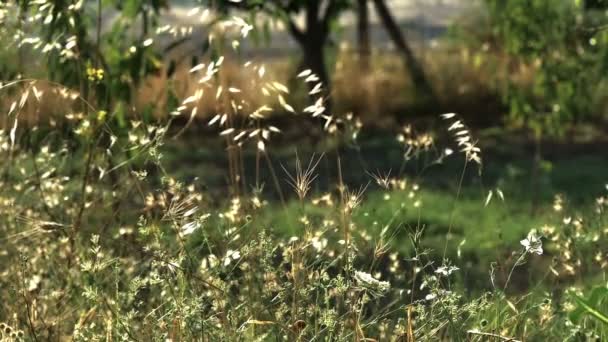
[{"x": 225, "y": 201}]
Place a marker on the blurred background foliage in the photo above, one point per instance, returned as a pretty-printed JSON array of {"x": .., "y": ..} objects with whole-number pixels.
[
  {"x": 528, "y": 78},
  {"x": 532, "y": 65}
]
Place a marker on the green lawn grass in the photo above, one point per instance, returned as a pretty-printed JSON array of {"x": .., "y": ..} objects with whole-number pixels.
[{"x": 485, "y": 231}]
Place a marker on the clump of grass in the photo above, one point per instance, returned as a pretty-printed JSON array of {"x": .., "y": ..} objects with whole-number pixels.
[{"x": 101, "y": 242}]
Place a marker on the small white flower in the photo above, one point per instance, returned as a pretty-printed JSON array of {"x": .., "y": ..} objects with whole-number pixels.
[
  {"x": 532, "y": 243},
  {"x": 437, "y": 294},
  {"x": 231, "y": 255},
  {"x": 364, "y": 277},
  {"x": 209, "y": 262},
  {"x": 446, "y": 270},
  {"x": 34, "y": 282},
  {"x": 368, "y": 282},
  {"x": 319, "y": 243}
]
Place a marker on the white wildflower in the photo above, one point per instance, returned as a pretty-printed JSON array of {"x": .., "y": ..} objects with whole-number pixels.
[
  {"x": 446, "y": 270},
  {"x": 231, "y": 255},
  {"x": 532, "y": 243},
  {"x": 368, "y": 282}
]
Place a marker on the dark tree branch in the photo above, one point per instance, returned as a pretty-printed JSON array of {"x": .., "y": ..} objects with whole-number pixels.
[
  {"x": 416, "y": 71},
  {"x": 312, "y": 17},
  {"x": 295, "y": 31},
  {"x": 363, "y": 34},
  {"x": 332, "y": 11}
]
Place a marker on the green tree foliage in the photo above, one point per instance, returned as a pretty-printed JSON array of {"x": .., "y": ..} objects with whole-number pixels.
[
  {"x": 561, "y": 43},
  {"x": 69, "y": 35}
]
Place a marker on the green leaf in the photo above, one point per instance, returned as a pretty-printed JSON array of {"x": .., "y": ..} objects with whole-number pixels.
[
  {"x": 590, "y": 306},
  {"x": 119, "y": 114},
  {"x": 131, "y": 8}
]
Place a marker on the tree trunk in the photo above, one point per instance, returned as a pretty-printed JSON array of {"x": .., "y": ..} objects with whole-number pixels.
[
  {"x": 314, "y": 59},
  {"x": 315, "y": 38},
  {"x": 363, "y": 35},
  {"x": 417, "y": 73},
  {"x": 536, "y": 173},
  {"x": 312, "y": 41}
]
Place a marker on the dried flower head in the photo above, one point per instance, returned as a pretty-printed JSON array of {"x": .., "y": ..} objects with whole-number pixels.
[{"x": 302, "y": 180}]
